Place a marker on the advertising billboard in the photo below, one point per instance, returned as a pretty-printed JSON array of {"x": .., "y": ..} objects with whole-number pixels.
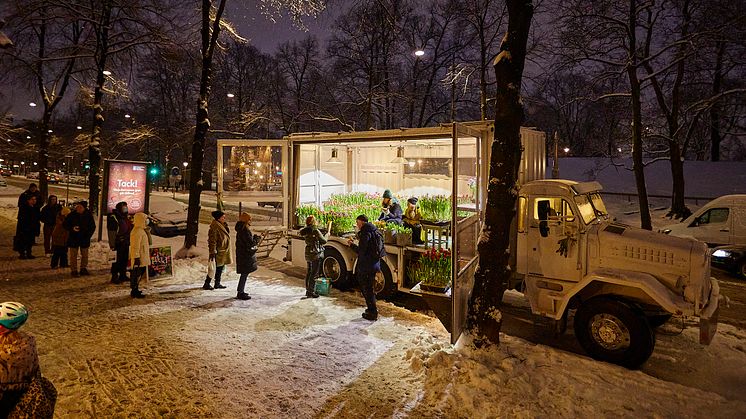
[{"x": 128, "y": 182}]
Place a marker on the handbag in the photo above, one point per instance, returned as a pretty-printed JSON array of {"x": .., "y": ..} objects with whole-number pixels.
[{"x": 212, "y": 267}]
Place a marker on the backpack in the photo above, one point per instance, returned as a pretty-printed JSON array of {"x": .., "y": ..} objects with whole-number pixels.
[{"x": 380, "y": 249}]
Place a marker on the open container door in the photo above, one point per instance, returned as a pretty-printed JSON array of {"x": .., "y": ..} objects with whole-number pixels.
[
  {"x": 254, "y": 173},
  {"x": 466, "y": 202}
]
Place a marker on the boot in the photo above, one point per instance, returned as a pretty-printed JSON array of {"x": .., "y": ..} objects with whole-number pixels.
[
  {"x": 137, "y": 294},
  {"x": 84, "y": 272},
  {"x": 115, "y": 279},
  {"x": 219, "y": 286},
  {"x": 312, "y": 294},
  {"x": 207, "y": 285},
  {"x": 372, "y": 316},
  {"x": 243, "y": 296}
]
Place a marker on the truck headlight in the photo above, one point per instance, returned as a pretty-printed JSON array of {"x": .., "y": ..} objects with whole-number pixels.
[{"x": 720, "y": 253}]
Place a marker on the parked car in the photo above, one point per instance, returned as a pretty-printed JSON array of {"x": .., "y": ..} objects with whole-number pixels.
[
  {"x": 32, "y": 175},
  {"x": 168, "y": 224},
  {"x": 730, "y": 258},
  {"x": 53, "y": 178},
  {"x": 3, "y": 183},
  {"x": 721, "y": 221},
  {"x": 6, "y": 172}
]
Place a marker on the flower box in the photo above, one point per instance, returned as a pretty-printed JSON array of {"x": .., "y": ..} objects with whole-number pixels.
[{"x": 404, "y": 239}]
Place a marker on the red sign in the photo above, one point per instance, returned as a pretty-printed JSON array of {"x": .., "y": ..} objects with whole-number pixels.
[{"x": 127, "y": 182}]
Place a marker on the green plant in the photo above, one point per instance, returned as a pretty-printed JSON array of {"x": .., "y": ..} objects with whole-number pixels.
[
  {"x": 433, "y": 268},
  {"x": 304, "y": 211},
  {"x": 399, "y": 229},
  {"x": 435, "y": 208}
]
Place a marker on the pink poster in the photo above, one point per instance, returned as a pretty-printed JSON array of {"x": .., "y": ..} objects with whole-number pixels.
[{"x": 127, "y": 182}]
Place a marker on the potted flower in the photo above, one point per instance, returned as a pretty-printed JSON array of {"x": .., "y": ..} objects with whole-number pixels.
[
  {"x": 432, "y": 270},
  {"x": 403, "y": 235}
]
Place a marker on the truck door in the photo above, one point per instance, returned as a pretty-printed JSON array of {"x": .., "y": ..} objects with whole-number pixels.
[
  {"x": 554, "y": 239},
  {"x": 713, "y": 226}
]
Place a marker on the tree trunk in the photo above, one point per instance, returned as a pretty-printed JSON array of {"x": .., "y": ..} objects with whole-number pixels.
[
  {"x": 484, "y": 320},
  {"x": 209, "y": 40},
  {"x": 637, "y": 164},
  {"x": 715, "y": 136},
  {"x": 94, "y": 147},
  {"x": 678, "y": 206}
]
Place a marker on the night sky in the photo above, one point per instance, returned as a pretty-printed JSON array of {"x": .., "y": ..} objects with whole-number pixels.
[{"x": 246, "y": 17}]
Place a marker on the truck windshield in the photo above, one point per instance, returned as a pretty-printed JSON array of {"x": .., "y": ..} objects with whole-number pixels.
[{"x": 591, "y": 206}]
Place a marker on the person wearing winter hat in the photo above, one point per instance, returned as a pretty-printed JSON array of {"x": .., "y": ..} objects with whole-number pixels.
[
  {"x": 218, "y": 243},
  {"x": 118, "y": 227},
  {"x": 59, "y": 240},
  {"x": 246, "y": 244},
  {"x": 139, "y": 253},
  {"x": 314, "y": 253},
  {"x": 391, "y": 212},
  {"x": 413, "y": 219},
  {"x": 24, "y": 393}
]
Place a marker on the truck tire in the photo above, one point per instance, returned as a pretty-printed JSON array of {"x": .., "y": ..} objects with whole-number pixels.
[
  {"x": 614, "y": 331},
  {"x": 334, "y": 267},
  {"x": 659, "y": 319},
  {"x": 384, "y": 284}
]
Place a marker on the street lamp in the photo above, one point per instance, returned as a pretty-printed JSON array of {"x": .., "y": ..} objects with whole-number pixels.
[
  {"x": 128, "y": 116},
  {"x": 419, "y": 53},
  {"x": 107, "y": 73},
  {"x": 566, "y": 150},
  {"x": 28, "y": 137},
  {"x": 50, "y": 131},
  {"x": 32, "y": 104},
  {"x": 79, "y": 127},
  {"x": 185, "y": 164},
  {"x": 231, "y": 95}
]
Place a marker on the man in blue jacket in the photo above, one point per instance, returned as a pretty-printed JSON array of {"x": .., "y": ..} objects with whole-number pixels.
[{"x": 368, "y": 263}]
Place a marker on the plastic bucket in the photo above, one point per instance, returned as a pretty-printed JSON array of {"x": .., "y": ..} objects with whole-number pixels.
[{"x": 322, "y": 286}]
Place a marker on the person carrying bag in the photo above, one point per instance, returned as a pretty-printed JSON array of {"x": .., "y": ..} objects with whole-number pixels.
[{"x": 139, "y": 253}]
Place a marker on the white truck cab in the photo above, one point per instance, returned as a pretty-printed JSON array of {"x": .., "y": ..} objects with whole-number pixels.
[
  {"x": 720, "y": 222},
  {"x": 622, "y": 281}
]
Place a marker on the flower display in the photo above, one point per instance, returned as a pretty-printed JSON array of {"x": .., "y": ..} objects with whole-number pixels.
[{"x": 433, "y": 269}]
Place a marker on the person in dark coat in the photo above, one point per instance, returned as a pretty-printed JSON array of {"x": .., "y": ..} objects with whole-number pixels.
[
  {"x": 27, "y": 228},
  {"x": 392, "y": 212},
  {"x": 368, "y": 263},
  {"x": 34, "y": 191},
  {"x": 314, "y": 254},
  {"x": 80, "y": 225},
  {"x": 246, "y": 244},
  {"x": 119, "y": 227},
  {"x": 49, "y": 219},
  {"x": 59, "y": 240}
]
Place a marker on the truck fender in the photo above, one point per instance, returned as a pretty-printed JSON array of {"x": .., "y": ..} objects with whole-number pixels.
[
  {"x": 349, "y": 256},
  {"x": 646, "y": 283}
]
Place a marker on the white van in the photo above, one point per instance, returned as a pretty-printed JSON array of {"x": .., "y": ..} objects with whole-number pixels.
[{"x": 719, "y": 222}]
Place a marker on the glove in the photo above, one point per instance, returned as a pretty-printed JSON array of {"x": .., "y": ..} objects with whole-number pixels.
[
  {"x": 137, "y": 262},
  {"x": 213, "y": 256}
]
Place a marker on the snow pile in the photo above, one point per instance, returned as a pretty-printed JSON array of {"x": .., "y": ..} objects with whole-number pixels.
[{"x": 520, "y": 379}]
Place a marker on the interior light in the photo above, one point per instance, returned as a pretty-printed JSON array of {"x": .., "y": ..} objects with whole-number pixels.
[
  {"x": 412, "y": 163},
  {"x": 107, "y": 73},
  {"x": 335, "y": 157},
  {"x": 399, "y": 156}
]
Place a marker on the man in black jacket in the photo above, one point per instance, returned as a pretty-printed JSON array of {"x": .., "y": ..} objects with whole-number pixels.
[
  {"x": 81, "y": 225},
  {"x": 34, "y": 191},
  {"x": 119, "y": 226},
  {"x": 27, "y": 228},
  {"x": 368, "y": 263}
]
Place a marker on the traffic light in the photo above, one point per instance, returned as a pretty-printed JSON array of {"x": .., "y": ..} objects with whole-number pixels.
[
  {"x": 154, "y": 172},
  {"x": 86, "y": 166}
]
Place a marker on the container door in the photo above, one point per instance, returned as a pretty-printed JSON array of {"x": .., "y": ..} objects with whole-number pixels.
[
  {"x": 466, "y": 203},
  {"x": 253, "y": 174}
]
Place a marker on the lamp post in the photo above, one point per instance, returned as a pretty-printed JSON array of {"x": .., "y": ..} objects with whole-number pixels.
[{"x": 183, "y": 177}]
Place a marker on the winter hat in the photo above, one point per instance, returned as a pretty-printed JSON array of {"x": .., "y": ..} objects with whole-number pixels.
[
  {"x": 84, "y": 203},
  {"x": 65, "y": 211},
  {"x": 387, "y": 194},
  {"x": 244, "y": 217},
  {"x": 217, "y": 214},
  {"x": 412, "y": 200}
]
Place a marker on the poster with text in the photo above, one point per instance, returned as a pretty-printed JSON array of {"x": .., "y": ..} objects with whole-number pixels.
[
  {"x": 161, "y": 262},
  {"x": 127, "y": 181}
]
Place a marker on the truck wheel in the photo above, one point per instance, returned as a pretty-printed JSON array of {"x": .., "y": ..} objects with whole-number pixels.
[
  {"x": 612, "y": 331},
  {"x": 335, "y": 268},
  {"x": 384, "y": 284},
  {"x": 658, "y": 320}
]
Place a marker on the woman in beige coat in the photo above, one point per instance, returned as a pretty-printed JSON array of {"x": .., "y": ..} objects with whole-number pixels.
[
  {"x": 140, "y": 241},
  {"x": 219, "y": 243}
]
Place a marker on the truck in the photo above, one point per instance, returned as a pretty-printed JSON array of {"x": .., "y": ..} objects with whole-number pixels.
[{"x": 570, "y": 259}]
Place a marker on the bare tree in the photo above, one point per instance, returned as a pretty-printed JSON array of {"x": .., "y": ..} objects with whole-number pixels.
[{"x": 484, "y": 319}]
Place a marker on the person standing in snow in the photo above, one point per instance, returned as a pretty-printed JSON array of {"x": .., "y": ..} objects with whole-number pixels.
[
  {"x": 119, "y": 226},
  {"x": 246, "y": 244},
  {"x": 27, "y": 228},
  {"x": 59, "y": 240},
  {"x": 80, "y": 226},
  {"x": 368, "y": 263},
  {"x": 34, "y": 191},
  {"x": 49, "y": 218},
  {"x": 391, "y": 212},
  {"x": 218, "y": 242},
  {"x": 139, "y": 253},
  {"x": 24, "y": 392},
  {"x": 314, "y": 254}
]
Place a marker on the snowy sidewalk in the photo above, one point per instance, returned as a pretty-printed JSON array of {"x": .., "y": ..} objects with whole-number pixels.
[{"x": 185, "y": 352}]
